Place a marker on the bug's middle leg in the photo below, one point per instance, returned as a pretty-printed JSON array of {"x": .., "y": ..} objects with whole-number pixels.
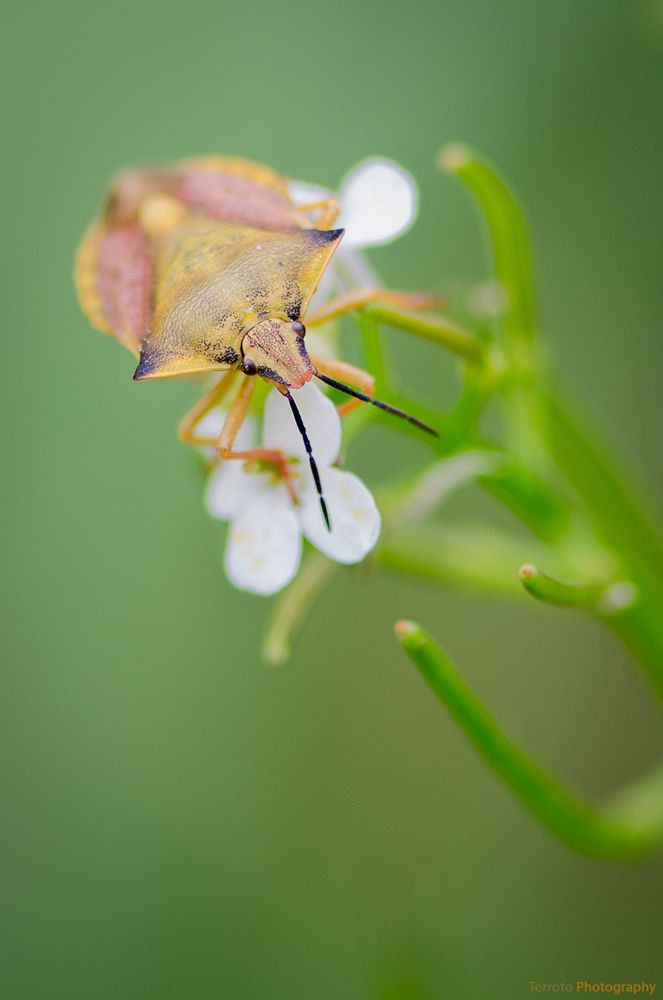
[
  {"x": 234, "y": 420},
  {"x": 362, "y": 297},
  {"x": 189, "y": 422},
  {"x": 345, "y": 372}
]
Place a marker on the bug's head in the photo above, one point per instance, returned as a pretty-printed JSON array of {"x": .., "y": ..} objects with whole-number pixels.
[{"x": 275, "y": 349}]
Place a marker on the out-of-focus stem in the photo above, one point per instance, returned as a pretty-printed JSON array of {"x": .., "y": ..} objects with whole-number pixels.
[
  {"x": 509, "y": 240},
  {"x": 441, "y": 331},
  {"x": 509, "y": 243},
  {"x": 471, "y": 556},
  {"x": 376, "y": 362},
  {"x": 569, "y": 595},
  {"x": 293, "y": 606},
  {"x": 632, "y": 827},
  {"x": 616, "y": 512},
  {"x": 619, "y": 519}
]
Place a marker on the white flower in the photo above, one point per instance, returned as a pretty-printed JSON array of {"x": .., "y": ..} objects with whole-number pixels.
[
  {"x": 264, "y": 545},
  {"x": 378, "y": 200},
  {"x": 210, "y": 427}
]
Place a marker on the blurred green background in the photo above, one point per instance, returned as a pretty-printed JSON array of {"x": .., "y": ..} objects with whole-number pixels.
[{"x": 179, "y": 821}]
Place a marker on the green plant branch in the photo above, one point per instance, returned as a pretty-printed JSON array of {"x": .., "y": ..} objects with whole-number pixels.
[
  {"x": 374, "y": 350},
  {"x": 293, "y": 606},
  {"x": 509, "y": 244},
  {"x": 631, "y": 827},
  {"x": 472, "y": 556},
  {"x": 441, "y": 331},
  {"x": 631, "y": 615},
  {"x": 551, "y": 474},
  {"x": 533, "y": 500},
  {"x": 617, "y": 513},
  {"x": 567, "y": 595}
]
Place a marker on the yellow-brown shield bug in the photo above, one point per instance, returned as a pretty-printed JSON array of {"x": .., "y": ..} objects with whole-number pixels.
[{"x": 208, "y": 266}]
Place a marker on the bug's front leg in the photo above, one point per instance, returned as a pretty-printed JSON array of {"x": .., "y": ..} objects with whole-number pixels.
[
  {"x": 234, "y": 420},
  {"x": 329, "y": 210},
  {"x": 363, "y": 297},
  {"x": 189, "y": 422},
  {"x": 345, "y": 372}
]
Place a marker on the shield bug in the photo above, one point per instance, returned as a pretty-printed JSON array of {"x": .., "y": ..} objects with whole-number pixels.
[{"x": 208, "y": 266}]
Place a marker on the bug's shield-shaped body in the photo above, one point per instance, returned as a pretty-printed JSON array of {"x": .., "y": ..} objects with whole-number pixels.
[
  {"x": 213, "y": 281},
  {"x": 186, "y": 260}
]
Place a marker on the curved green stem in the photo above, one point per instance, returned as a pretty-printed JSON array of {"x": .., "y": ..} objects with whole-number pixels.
[
  {"x": 374, "y": 349},
  {"x": 441, "y": 331},
  {"x": 567, "y": 595},
  {"x": 616, "y": 512},
  {"x": 509, "y": 243},
  {"x": 471, "y": 556},
  {"x": 619, "y": 518},
  {"x": 632, "y": 826},
  {"x": 291, "y": 610}
]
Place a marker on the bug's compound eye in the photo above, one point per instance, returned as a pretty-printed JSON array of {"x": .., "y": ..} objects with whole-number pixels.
[
  {"x": 299, "y": 329},
  {"x": 249, "y": 367}
]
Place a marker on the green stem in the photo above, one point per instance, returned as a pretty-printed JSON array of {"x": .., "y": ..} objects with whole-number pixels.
[
  {"x": 374, "y": 353},
  {"x": 512, "y": 266},
  {"x": 293, "y": 606},
  {"x": 631, "y": 828},
  {"x": 470, "y": 556},
  {"x": 531, "y": 499},
  {"x": 640, "y": 627},
  {"x": 616, "y": 512},
  {"x": 568, "y": 595},
  {"x": 508, "y": 239},
  {"x": 443, "y": 332},
  {"x": 619, "y": 519}
]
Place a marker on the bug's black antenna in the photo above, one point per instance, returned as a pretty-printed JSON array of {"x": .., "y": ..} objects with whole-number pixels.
[
  {"x": 309, "y": 451},
  {"x": 387, "y": 407}
]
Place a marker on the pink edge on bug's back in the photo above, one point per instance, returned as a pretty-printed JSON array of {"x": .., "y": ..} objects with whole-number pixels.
[
  {"x": 125, "y": 278},
  {"x": 237, "y": 199}
]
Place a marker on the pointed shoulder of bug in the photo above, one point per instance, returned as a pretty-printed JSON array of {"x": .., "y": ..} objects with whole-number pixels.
[{"x": 115, "y": 271}]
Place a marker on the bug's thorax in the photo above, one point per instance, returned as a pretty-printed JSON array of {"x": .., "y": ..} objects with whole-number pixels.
[
  {"x": 274, "y": 348},
  {"x": 224, "y": 293}
]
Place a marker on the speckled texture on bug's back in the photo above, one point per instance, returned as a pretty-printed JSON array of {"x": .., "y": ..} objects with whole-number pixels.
[
  {"x": 115, "y": 279},
  {"x": 212, "y": 279}
]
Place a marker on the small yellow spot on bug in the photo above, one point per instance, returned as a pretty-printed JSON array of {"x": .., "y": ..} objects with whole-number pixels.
[{"x": 159, "y": 213}]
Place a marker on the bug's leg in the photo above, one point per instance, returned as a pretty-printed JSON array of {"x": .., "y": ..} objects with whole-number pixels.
[
  {"x": 188, "y": 424},
  {"x": 363, "y": 297},
  {"x": 345, "y": 372},
  {"x": 234, "y": 420},
  {"x": 328, "y": 208}
]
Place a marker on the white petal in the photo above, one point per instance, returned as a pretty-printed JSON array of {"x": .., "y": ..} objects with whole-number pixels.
[
  {"x": 354, "y": 516},
  {"x": 264, "y": 544},
  {"x": 378, "y": 203},
  {"x": 230, "y": 488},
  {"x": 322, "y": 422},
  {"x": 210, "y": 426}
]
